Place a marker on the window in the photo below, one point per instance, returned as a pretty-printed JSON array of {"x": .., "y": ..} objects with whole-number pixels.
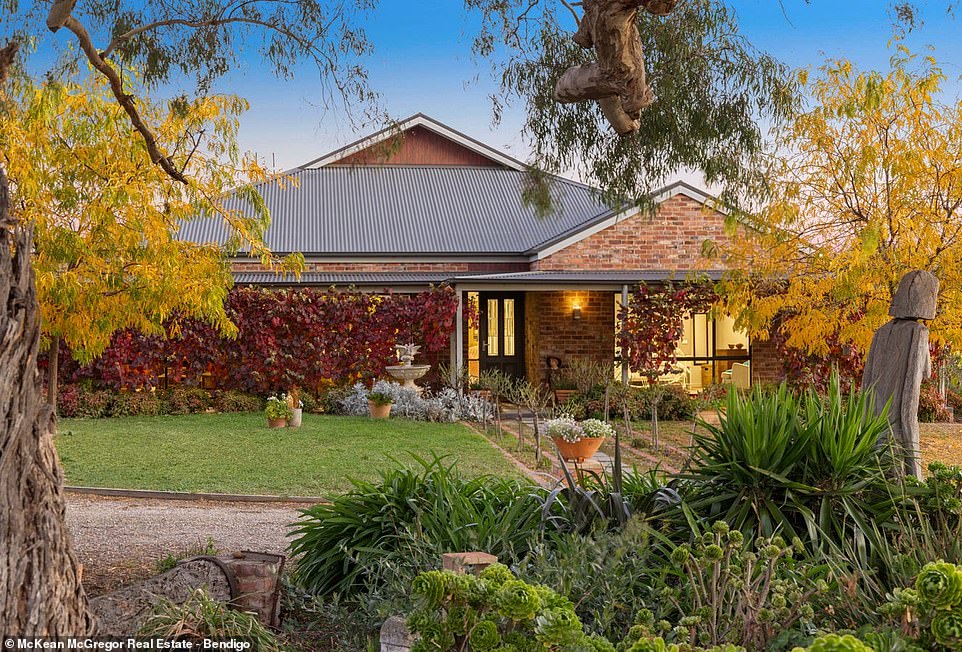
[{"x": 708, "y": 348}]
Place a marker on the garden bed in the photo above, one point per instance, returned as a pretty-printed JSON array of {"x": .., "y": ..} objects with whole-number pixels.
[{"x": 236, "y": 453}]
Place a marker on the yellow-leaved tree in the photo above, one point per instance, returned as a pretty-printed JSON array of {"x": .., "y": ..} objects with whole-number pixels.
[
  {"x": 84, "y": 209},
  {"x": 866, "y": 185},
  {"x": 105, "y": 218}
]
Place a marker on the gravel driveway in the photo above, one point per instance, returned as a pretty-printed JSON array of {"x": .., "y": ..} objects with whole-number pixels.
[{"x": 119, "y": 540}]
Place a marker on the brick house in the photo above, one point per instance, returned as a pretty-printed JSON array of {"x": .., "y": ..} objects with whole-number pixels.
[{"x": 422, "y": 204}]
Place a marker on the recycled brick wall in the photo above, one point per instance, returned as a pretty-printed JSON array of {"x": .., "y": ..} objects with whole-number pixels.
[
  {"x": 558, "y": 334},
  {"x": 766, "y": 363},
  {"x": 671, "y": 239}
]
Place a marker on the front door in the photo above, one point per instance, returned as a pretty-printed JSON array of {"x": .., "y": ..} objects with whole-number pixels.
[{"x": 502, "y": 332}]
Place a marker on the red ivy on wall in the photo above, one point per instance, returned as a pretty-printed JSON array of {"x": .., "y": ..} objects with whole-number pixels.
[{"x": 289, "y": 337}]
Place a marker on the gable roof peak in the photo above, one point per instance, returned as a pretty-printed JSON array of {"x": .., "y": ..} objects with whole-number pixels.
[{"x": 416, "y": 120}]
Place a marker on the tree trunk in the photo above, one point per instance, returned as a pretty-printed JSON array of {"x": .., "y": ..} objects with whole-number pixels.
[
  {"x": 40, "y": 589},
  {"x": 53, "y": 369}
]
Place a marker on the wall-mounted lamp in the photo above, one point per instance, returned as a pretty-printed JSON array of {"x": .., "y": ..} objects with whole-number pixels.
[{"x": 576, "y": 312}]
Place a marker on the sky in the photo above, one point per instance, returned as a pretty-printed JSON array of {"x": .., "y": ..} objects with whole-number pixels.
[{"x": 422, "y": 63}]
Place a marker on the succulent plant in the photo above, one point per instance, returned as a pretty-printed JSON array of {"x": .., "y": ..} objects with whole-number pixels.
[
  {"x": 940, "y": 585},
  {"x": 835, "y": 643},
  {"x": 485, "y": 636},
  {"x": 496, "y": 575},
  {"x": 947, "y": 629},
  {"x": 558, "y": 626},
  {"x": 431, "y": 586},
  {"x": 517, "y": 600}
]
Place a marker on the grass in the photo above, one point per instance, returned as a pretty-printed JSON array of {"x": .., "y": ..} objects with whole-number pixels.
[{"x": 237, "y": 453}]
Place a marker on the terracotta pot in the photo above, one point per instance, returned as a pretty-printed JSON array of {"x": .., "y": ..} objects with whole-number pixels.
[
  {"x": 295, "y": 421},
  {"x": 379, "y": 411},
  {"x": 580, "y": 450},
  {"x": 276, "y": 423},
  {"x": 563, "y": 395}
]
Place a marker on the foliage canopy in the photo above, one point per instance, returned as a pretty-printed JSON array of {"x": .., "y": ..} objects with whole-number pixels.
[
  {"x": 867, "y": 185},
  {"x": 105, "y": 219}
]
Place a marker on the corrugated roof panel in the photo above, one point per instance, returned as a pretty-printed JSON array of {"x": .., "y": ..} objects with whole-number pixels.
[
  {"x": 591, "y": 276},
  {"x": 343, "y": 278},
  {"x": 394, "y": 209}
]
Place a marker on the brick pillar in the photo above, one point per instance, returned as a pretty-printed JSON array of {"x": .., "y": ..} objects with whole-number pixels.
[
  {"x": 766, "y": 364},
  {"x": 467, "y": 562}
]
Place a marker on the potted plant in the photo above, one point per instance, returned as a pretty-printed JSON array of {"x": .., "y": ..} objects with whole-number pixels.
[
  {"x": 477, "y": 388},
  {"x": 296, "y": 405},
  {"x": 564, "y": 387},
  {"x": 277, "y": 411},
  {"x": 578, "y": 441},
  {"x": 379, "y": 404}
]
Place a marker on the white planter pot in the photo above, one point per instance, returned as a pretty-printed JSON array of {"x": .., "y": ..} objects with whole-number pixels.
[{"x": 295, "y": 421}]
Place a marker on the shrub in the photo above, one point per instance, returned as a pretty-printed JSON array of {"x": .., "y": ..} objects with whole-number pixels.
[
  {"x": 81, "y": 402},
  {"x": 799, "y": 466},
  {"x": 448, "y": 405},
  {"x": 430, "y": 505},
  {"x": 185, "y": 400},
  {"x": 231, "y": 401},
  {"x": 494, "y": 611},
  {"x": 126, "y": 404},
  {"x": 932, "y": 405},
  {"x": 609, "y": 576},
  {"x": 954, "y": 400},
  {"x": 675, "y": 403}
]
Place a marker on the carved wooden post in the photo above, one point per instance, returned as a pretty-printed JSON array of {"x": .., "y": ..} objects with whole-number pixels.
[
  {"x": 617, "y": 80},
  {"x": 898, "y": 360}
]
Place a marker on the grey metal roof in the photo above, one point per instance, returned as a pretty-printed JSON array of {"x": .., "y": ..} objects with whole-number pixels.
[
  {"x": 408, "y": 210},
  {"x": 404, "y": 279},
  {"x": 386, "y": 279},
  {"x": 601, "y": 277}
]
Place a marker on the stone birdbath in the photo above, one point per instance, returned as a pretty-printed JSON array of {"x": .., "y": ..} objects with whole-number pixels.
[{"x": 407, "y": 372}]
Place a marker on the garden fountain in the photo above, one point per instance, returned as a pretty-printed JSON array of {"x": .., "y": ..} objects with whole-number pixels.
[{"x": 406, "y": 371}]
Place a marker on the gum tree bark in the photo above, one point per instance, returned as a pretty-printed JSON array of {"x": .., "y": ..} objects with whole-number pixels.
[
  {"x": 617, "y": 80},
  {"x": 40, "y": 589}
]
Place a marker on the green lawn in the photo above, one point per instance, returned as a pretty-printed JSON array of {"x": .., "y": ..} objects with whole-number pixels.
[{"x": 236, "y": 453}]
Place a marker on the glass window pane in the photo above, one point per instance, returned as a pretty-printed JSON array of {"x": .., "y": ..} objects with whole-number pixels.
[
  {"x": 474, "y": 348},
  {"x": 493, "y": 327},
  {"x": 509, "y": 326}
]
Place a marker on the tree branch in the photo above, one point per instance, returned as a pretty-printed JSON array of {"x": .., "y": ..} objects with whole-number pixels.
[{"x": 125, "y": 100}]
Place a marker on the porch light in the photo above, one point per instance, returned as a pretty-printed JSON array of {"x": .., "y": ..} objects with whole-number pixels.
[{"x": 576, "y": 312}]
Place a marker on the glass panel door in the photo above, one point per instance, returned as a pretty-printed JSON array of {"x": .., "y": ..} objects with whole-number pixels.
[{"x": 502, "y": 332}]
